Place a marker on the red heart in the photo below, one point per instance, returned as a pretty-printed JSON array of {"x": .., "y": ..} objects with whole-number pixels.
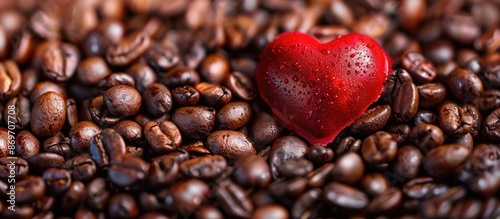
[{"x": 318, "y": 89}]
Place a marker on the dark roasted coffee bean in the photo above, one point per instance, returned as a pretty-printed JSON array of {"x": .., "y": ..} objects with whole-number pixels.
[
  {"x": 479, "y": 173},
  {"x": 162, "y": 137},
  {"x": 371, "y": 121},
  {"x": 30, "y": 79},
  {"x": 97, "y": 195},
  {"x": 263, "y": 130},
  {"x": 465, "y": 140},
  {"x": 98, "y": 152},
  {"x": 392, "y": 84},
  {"x": 230, "y": 144},
  {"x": 122, "y": 205},
  {"x": 422, "y": 187},
  {"x": 442, "y": 161},
  {"x": 148, "y": 201},
  {"x": 129, "y": 130},
  {"x": 269, "y": 212},
  {"x": 491, "y": 125},
  {"x": 163, "y": 171},
  {"x": 43, "y": 161},
  {"x": 348, "y": 144},
  {"x": 71, "y": 112},
  {"x": 127, "y": 171},
  {"x": 234, "y": 200},
  {"x": 48, "y": 114},
  {"x": 252, "y": 171},
  {"x": 21, "y": 116},
  {"x": 157, "y": 99},
  {"x": 421, "y": 69},
  {"x": 241, "y": 86},
  {"x": 194, "y": 54},
  {"x": 349, "y": 168},
  {"x": 407, "y": 163},
  {"x": 308, "y": 204},
  {"x": 143, "y": 75},
  {"x": 73, "y": 197},
  {"x": 207, "y": 167},
  {"x": 100, "y": 113},
  {"x": 344, "y": 196},
  {"x": 287, "y": 189},
  {"x": 81, "y": 134},
  {"x": 424, "y": 117},
  {"x": 163, "y": 55},
  {"x": 27, "y": 145},
  {"x": 186, "y": 95},
  {"x": 46, "y": 203},
  {"x": 492, "y": 74},
  {"x": 295, "y": 167},
  {"x": 186, "y": 196},
  {"x": 488, "y": 100},
  {"x": 59, "y": 62},
  {"x": 400, "y": 133},
  {"x": 475, "y": 65},
  {"x": 44, "y": 87},
  {"x": 464, "y": 85},
  {"x": 319, "y": 177},
  {"x": 215, "y": 68},
  {"x": 57, "y": 180},
  {"x": 194, "y": 122},
  {"x": 319, "y": 154},
  {"x": 234, "y": 115},
  {"x": 405, "y": 103},
  {"x": 431, "y": 95},
  {"x": 440, "y": 206},
  {"x": 177, "y": 77},
  {"x": 386, "y": 202},
  {"x": 21, "y": 212},
  {"x": 196, "y": 149},
  {"x": 92, "y": 70},
  {"x": 426, "y": 137},
  {"x": 374, "y": 184},
  {"x": 112, "y": 141},
  {"x": 468, "y": 208},
  {"x": 213, "y": 94},
  {"x": 379, "y": 149},
  {"x": 82, "y": 167},
  {"x": 17, "y": 165},
  {"x": 284, "y": 148},
  {"x": 29, "y": 189},
  {"x": 11, "y": 80},
  {"x": 128, "y": 49},
  {"x": 455, "y": 120},
  {"x": 440, "y": 52},
  {"x": 461, "y": 27},
  {"x": 122, "y": 100},
  {"x": 115, "y": 79},
  {"x": 135, "y": 151}
]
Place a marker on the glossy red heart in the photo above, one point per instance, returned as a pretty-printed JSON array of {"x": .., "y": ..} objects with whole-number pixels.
[{"x": 318, "y": 89}]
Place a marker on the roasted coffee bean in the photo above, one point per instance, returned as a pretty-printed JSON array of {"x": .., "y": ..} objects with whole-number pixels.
[
  {"x": 73, "y": 197},
  {"x": 269, "y": 212},
  {"x": 177, "y": 77},
  {"x": 29, "y": 189},
  {"x": 319, "y": 177},
  {"x": 128, "y": 49},
  {"x": 348, "y": 169},
  {"x": 479, "y": 172},
  {"x": 319, "y": 154},
  {"x": 115, "y": 79},
  {"x": 30, "y": 79},
  {"x": 194, "y": 122},
  {"x": 492, "y": 75},
  {"x": 295, "y": 167},
  {"x": 59, "y": 62},
  {"x": 440, "y": 162},
  {"x": 215, "y": 68},
  {"x": 97, "y": 195},
  {"x": 287, "y": 189},
  {"x": 21, "y": 212},
  {"x": 18, "y": 166},
  {"x": 379, "y": 149},
  {"x": 122, "y": 100},
  {"x": 405, "y": 103},
  {"x": 252, "y": 171},
  {"x": 308, "y": 204},
  {"x": 423, "y": 187},
  {"x": 488, "y": 100},
  {"x": 44, "y": 87},
  {"x": 386, "y": 202},
  {"x": 207, "y": 167},
  {"x": 455, "y": 120},
  {"x": 163, "y": 171},
  {"x": 122, "y": 205},
  {"x": 81, "y": 134},
  {"x": 43, "y": 161},
  {"x": 431, "y": 95},
  {"x": 143, "y": 75},
  {"x": 186, "y": 95},
  {"x": 129, "y": 130},
  {"x": 157, "y": 99},
  {"x": 187, "y": 196},
  {"x": 426, "y": 137},
  {"x": 196, "y": 149},
  {"x": 392, "y": 84},
  {"x": 233, "y": 115},
  {"x": 419, "y": 67},
  {"x": 71, "y": 112},
  {"x": 149, "y": 202},
  {"x": 98, "y": 152},
  {"x": 348, "y": 144},
  {"x": 468, "y": 208},
  {"x": 372, "y": 120},
  {"x": 163, "y": 55},
  {"x": 436, "y": 206},
  {"x": 374, "y": 184},
  {"x": 241, "y": 85},
  {"x": 135, "y": 151},
  {"x": 461, "y": 27},
  {"x": 214, "y": 94},
  {"x": 263, "y": 130},
  {"x": 92, "y": 70},
  {"x": 57, "y": 180},
  {"x": 407, "y": 163},
  {"x": 491, "y": 125},
  {"x": 46, "y": 203},
  {"x": 82, "y": 167},
  {"x": 440, "y": 51},
  {"x": 48, "y": 114},
  {"x": 22, "y": 113},
  {"x": 284, "y": 148},
  {"x": 424, "y": 117},
  {"x": 27, "y": 145},
  {"x": 234, "y": 199},
  {"x": 127, "y": 171},
  {"x": 464, "y": 85},
  {"x": 11, "y": 79},
  {"x": 230, "y": 144},
  {"x": 344, "y": 196},
  {"x": 112, "y": 141},
  {"x": 162, "y": 137}
]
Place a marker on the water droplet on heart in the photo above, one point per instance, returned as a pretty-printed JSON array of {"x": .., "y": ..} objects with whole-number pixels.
[
  {"x": 295, "y": 78},
  {"x": 370, "y": 45},
  {"x": 309, "y": 115},
  {"x": 352, "y": 55},
  {"x": 325, "y": 51},
  {"x": 357, "y": 64},
  {"x": 286, "y": 81}
]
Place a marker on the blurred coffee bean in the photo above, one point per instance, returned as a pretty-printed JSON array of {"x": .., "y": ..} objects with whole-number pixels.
[
  {"x": 179, "y": 76},
  {"x": 97, "y": 195},
  {"x": 215, "y": 68},
  {"x": 128, "y": 49},
  {"x": 252, "y": 171},
  {"x": 424, "y": 117},
  {"x": 163, "y": 171},
  {"x": 285, "y": 148},
  {"x": 81, "y": 134},
  {"x": 157, "y": 99},
  {"x": 82, "y": 167},
  {"x": 263, "y": 130},
  {"x": 22, "y": 112},
  {"x": 464, "y": 85},
  {"x": 426, "y": 137},
  {"x": 440, "y": 162},
  {"x": 234, "y": 199},
  {"x": 143, "y": 75},
  {"x": 386, "y": 202},
  {"x": 407, "y": 163},
  {"x": 19, "y": 165},
  {"x": 372, "y": 120},
  {"x": 187, "y": 196},
  {"x": 349, "y": 168},
  {"x": 487, "y": 101},
  {"x": 440, "y": 52},
  {"x": 379, "y": 149},
  {"x": 374, "y": 184},
  {"x": 127, "y": 171},
  {"x": 122, "y": 205},
  {"x": 461, "y": 27},
  {"x": 269, "y": 212},
  {"x": 319, "y": 154},
  {"x": 162, "y": 55},
  {"x": 320, "y": 176},
  {"x": 295, "y": 168},
  {"x": 308, "y": 204},
  {"x": 26, "y": 145},
  {"x": 73, "y": 197},
  {"x": 344, "y": 196},
  {"x": 92, "y": 70},
  {"x": 30, "y": 79},
  {"x": 11, "y": 79},
  {"x": 57, "y": 180},
  {"x": 115, "y": 79},
  {"x": 59, "y": 62},
  {"x": 241, "y": 85},
  {"x": 206, "y": 167},
  {"x": 421, "y": 69},
  {"x": 491, "y": 126}
]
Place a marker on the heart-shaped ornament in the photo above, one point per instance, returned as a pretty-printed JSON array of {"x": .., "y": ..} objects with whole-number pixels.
[{"x": 318, "y": 89}]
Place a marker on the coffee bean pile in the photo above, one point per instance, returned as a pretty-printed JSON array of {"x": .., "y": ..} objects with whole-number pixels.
[{"x": 149, "y": 109}]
